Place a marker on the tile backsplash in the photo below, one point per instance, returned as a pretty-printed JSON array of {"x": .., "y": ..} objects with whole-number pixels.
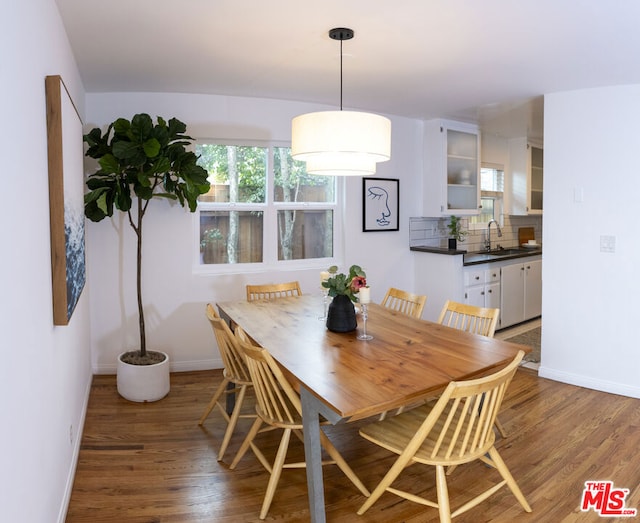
[{"x": 433, "y": 232}]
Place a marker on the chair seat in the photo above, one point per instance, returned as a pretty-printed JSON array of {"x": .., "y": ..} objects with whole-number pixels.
[{"x": 394, "y": 434}]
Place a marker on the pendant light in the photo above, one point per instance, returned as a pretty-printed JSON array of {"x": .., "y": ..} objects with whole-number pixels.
[{"x": 341, "y": 143}]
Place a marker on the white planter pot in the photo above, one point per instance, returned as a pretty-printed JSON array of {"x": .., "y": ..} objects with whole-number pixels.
[{"x": 143, "y": 382}]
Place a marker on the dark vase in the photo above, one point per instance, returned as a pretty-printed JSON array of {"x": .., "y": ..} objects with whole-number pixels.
[
  {"x": 453, "y": 244},
  {"x": 341, "y": 315}
]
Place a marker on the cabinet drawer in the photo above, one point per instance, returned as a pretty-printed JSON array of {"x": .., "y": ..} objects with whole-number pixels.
[
  {"x": 474, "y": 276},
  {"x": 492, "y": 275}
]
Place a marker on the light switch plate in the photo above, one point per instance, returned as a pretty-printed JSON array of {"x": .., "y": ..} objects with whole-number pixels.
[{"x": 607, "y": 244}]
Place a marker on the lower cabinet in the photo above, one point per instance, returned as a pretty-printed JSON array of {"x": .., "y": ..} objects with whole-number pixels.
[
  {"x": 520, "y": 292},
  {"x": 482, "y": 287},
  {"x": 514, "y": 286}
]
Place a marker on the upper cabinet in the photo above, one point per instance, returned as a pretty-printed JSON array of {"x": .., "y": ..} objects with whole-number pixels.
[
  {"x": 451, "y": 168},
  {"x": 523, "y": 184}
]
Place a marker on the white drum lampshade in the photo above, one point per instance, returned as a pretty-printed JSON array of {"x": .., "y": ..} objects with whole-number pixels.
[{"x": 341, "y": 143}]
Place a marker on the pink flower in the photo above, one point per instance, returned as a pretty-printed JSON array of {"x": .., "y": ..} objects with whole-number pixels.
[{"x": 357, "y": 282}]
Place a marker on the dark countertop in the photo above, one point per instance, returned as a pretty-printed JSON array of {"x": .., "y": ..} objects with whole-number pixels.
[
  {"x": 436, "y": 250},
  {"x": 476, "y": 258}
]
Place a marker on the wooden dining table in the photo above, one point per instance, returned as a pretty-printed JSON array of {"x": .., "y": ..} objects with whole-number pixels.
[{"x": 342, "y": 378}]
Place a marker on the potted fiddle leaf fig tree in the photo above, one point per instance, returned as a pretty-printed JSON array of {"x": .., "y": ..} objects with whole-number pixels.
[{"x": 139, "y": 161}]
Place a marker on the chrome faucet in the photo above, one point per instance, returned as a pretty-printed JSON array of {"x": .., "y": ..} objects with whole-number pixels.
[{"x": 488, "y": 241}]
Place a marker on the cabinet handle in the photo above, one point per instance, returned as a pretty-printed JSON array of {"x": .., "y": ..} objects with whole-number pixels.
[
  {"x": 477, "y": 277},
  {"x": 482, "y": 293},
  {"x": 490, "y": 291},
  {"x": 522, "y": 268}
]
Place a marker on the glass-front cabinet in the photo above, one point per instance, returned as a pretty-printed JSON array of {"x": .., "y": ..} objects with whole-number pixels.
[
  {"x": 451, "y": 168},
  {"x": 524, "y": 182}
]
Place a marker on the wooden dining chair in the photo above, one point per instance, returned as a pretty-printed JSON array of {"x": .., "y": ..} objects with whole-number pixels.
[
  {"x": 278, "y": 407},
  {"x": 273, "y": 290},
  {"x": 235, "y": 372},
  {"x": 404, "y": 302},
  {"x": 455, "y": 429},
  {"x": 469, "y": 318}
]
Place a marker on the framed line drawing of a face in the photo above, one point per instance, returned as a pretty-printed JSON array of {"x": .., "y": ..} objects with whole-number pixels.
[{"x": 380, "y": 204}]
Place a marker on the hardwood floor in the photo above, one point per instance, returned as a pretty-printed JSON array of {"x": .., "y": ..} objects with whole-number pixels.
[{"x": 143, "y": 463}]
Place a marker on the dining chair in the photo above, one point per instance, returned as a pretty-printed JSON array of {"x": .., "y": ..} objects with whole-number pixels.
[
  {"x": 404, "y": 302},
  {"x": 470, "y": 318},
  {"x": 278, "y": 407},
  {"x": 273, "y": 290},
  {"x": 235, "y": 372},
  {"x": 455, "y": 429}
]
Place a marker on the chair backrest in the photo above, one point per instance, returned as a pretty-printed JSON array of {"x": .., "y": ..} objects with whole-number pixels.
[
  {"x": 273, "y": 290},
  {"x": 460, "y": 425},
  {"x": 478, "y": 320},
  {"x": 230, "y": 351},
  {"x": 404, "y": 302},
  {"x": 276, "y": 401}
]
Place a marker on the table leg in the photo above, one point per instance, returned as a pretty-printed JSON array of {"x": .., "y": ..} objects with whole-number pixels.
[
  {"x": 312, "y": 408},
  {"x": 313, "y": 454}
]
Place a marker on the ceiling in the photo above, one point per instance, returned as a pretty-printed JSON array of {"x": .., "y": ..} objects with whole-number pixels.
[{"x": 486, "y": 61}]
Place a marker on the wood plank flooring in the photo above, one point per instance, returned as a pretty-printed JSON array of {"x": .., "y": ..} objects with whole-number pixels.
[{"x": 145, "y": 463}]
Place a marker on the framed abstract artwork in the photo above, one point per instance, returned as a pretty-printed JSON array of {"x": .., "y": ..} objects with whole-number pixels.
[
  {"x": 380, "y": 204},
  {"x": 66, "y": 199}
]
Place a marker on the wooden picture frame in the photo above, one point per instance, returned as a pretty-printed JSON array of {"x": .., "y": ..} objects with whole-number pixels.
[
  {"x": 66, "y": 199},
  {"x": 380, "y": 204}
]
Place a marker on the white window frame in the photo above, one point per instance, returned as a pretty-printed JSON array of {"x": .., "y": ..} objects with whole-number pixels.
[
  {"x": 498, "y": 201},
  {"x": 270, "y": 208}
]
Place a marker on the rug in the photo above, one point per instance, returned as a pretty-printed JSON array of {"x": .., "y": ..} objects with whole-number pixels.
[{"x": 531, "y": 338}]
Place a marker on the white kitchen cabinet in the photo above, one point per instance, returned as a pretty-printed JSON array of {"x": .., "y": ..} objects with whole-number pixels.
[
  {"x": 521, "y": 292},
  {"x": 451, "y": 168},
  {"x": 524, "y": 180},
  {"x": 482, "y": 287}
]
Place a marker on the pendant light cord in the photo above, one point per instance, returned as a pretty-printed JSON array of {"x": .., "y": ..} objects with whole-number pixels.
[
  {"x": 341, "y": 75},
  {"x": 342, "y": 34}
]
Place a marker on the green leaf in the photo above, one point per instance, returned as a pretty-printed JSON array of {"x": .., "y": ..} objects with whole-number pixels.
[
  {"x": 176, "y": 127},
  {"x": 141, "y": 127},
  {"x": 151, "y": 147},
  {"x": 162, "y": 165},
  {"x": 146, "y": 193},
  {"x": 123, "y": 199},
  {"x": 125, "y": 150},
  {"x": 121, "y": 127},
  {"x": 109, "y": 164}
]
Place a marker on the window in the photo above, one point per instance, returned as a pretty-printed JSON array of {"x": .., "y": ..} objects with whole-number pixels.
[
  {"x": 491, "y": 196},
  {"x": 263, "y": 208}
]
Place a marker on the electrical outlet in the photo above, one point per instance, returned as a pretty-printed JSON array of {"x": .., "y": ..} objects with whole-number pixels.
[{"x": 607, "y": 244}]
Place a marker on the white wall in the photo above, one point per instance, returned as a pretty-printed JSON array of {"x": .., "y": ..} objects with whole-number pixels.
[
  {"x": 45, "y": 372},
  {"x": 590, "y": 298},
  {"x": 174, "y": 296}
]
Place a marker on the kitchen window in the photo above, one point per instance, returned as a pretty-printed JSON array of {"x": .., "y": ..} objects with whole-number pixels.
[
  {"x": 263, "y": 210},
  {"x": 491, "y": 196}
]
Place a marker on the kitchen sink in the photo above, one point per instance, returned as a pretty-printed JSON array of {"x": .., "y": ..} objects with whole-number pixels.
[
  {"x": 504, "y": 252},
  {"x": 496, "y": 254}
]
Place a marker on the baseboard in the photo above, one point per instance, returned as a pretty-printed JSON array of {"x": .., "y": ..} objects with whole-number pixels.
[
  {"x": 589, "y": 383},
  {"x": 62, "y": 516},
  {"x": 176, "y": 366}
]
